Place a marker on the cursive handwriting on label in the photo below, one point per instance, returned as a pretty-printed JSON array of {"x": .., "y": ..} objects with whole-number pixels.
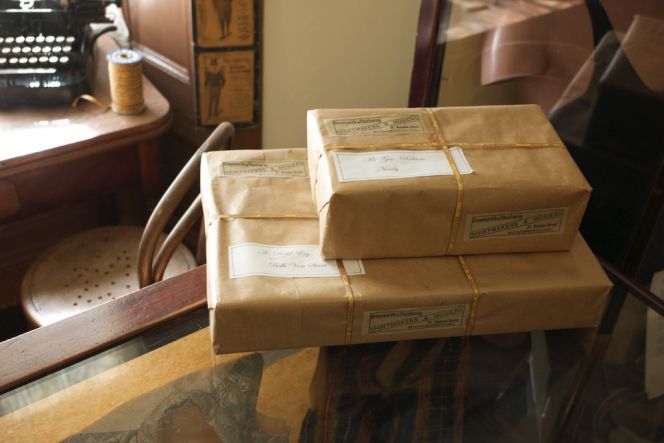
[{"x": 253, "y": 259}]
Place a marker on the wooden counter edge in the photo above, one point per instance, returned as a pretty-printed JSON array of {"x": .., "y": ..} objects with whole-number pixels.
[
  {"x": 44, "y": 350},
  {"x": 54, "y": 156}
]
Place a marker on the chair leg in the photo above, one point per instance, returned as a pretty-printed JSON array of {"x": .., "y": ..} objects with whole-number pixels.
[{"x": 200, "y": 246}]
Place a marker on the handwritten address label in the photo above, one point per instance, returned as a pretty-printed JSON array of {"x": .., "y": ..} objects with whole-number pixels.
[
  {"x": 383, "y": 165},
  {"x": 252, "y": 259}
]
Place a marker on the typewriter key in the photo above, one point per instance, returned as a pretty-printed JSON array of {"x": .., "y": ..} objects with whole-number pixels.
[
  {"x": 32, "y": 60},
  {"x": 6, "y": 50},
  {"x": 60, "y": 38},
  {"x": 40, "y": 38},
  {"x": 9, "y": 40},
  {"x": 16, "y": 49},
  {"x": 64, "y": 59},
  {"x": 2, "y": 39},
  {"x": 13, "y": 60},
  {"x": 71, "y": 39},
  {"x": 36, "y": 49},
  {"x": 43, "y": 59},
  {"x": 57, "y": 49},
  {"x": 66, "y": 48},
  {"x": 23, "y": 60},
  {"x": 26, "y": 49},
  {"x": 50, "y": 39},
  {"x": 3, "y": 60},
  {"x": 46, "y": 49},
  {"x": 53, "y": 59},
  {"x": 20, "y": 39},
  {"x": 30, "y": 39}
]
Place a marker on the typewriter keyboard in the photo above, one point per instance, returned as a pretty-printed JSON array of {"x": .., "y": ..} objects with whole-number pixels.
[{"x": 35, "y": 51}]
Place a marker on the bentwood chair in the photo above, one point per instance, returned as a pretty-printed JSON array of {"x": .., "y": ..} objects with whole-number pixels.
[{"x": 98, "y": 265}]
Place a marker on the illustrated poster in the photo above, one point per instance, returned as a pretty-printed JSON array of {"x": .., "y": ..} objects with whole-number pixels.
[
  {"x": 224, "y": 23},
  {"x": 226, "y": 87}
]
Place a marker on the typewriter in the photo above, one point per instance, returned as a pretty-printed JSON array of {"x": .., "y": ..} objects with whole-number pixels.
[{"x": 46, "y": 49}]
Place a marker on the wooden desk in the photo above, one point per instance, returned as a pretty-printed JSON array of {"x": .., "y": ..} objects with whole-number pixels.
[
  {"x": 50, "y": 156},
  {"x": 56, "y": 162}
]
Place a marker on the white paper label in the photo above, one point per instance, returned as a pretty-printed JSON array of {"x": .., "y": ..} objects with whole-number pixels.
[
  {"x": 251, "y": 259},
  {"x": 254, "y": 168},
  {"x": 382, "y": 165},
  {"x": 372, "y": 125},
  {"x": 516, "y": 224},
  {"x": 394, "y": 321}
]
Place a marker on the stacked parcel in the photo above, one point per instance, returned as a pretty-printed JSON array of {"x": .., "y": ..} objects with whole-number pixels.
[
  {"x": 269, "y": 288},
  {"x": 424, "y": 182}
]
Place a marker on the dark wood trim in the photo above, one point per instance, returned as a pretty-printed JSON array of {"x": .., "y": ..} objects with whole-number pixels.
[
  {"x": 633, "y": 287},
  {"x": 427, "y": 33},
  {"x": 647, "y": 224},
  {"x": 149, "y": 162},
  {"x": 164, "y": 64},
  {"x": 429, "y": 52},
  {"x": 47, "y": 349}
]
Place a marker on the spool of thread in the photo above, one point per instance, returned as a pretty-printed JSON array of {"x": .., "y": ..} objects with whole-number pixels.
[{"x": 126, "y": 80}]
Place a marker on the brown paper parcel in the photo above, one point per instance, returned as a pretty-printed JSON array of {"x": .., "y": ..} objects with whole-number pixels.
[
  {"x": 385, "y": 185},
  {"x": 393, "y": 299}
]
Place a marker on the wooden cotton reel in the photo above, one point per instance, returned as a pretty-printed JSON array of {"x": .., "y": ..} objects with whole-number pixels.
[{"x": 126, "y": 80}]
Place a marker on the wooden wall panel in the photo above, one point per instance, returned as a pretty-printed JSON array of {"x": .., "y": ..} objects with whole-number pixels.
[
  {"x": 162, "y": 25},
  {"x": 162, "y": 31},
  {"x": 53, "y": 186}
]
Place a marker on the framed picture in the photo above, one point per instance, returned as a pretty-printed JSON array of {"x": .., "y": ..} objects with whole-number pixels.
[
  {"x": 225, "y": 87},
  {"x": 224, "y": 23}
]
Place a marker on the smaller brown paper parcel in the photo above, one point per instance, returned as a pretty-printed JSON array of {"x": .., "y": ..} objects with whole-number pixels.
[
  {"x": 268, "y": 287},
  {"x": 442, "y": 181}
]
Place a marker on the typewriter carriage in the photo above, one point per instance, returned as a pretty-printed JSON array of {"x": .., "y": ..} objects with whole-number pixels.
[{"x": 46, "y": 49}]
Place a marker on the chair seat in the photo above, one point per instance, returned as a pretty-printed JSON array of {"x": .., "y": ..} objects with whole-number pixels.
[{"x": 87, "y": 270}]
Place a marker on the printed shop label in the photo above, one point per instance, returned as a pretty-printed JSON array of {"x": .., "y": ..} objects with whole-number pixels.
[
  {"x": 393, "y": 321},
  {"x": 293, "y": 168},
  {"x": 252, "y": 259},
  {"x": 386, "y": 124},
  {"x": 513, "y": 224}
]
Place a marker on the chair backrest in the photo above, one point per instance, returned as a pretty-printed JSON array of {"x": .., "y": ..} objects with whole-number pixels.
[{"x": 151, "y": 269}]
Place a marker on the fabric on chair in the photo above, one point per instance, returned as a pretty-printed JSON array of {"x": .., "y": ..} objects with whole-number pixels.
[{"x": 409, "y": 391}]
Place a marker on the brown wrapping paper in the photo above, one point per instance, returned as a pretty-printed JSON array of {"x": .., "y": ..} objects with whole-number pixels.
[
  {"x": 525, "y": 192},
  {"x": 395, "y": 299}
]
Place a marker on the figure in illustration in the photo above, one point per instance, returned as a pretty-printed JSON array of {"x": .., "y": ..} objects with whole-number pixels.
[
  {"x": 224, "y": 8},
  {"x": 214, "y": 83},
  {"x": 216, "y": 404}
]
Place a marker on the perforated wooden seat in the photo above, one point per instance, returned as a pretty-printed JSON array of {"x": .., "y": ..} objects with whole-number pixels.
[
  {"x": 99, "y": 265},
  {"x": 86, "y": 270}
]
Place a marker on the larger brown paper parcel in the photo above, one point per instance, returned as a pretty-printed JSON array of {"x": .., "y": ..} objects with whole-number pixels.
[
  {"x": 269, "y": 288},
  {"x": 444, "y": 181}
]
